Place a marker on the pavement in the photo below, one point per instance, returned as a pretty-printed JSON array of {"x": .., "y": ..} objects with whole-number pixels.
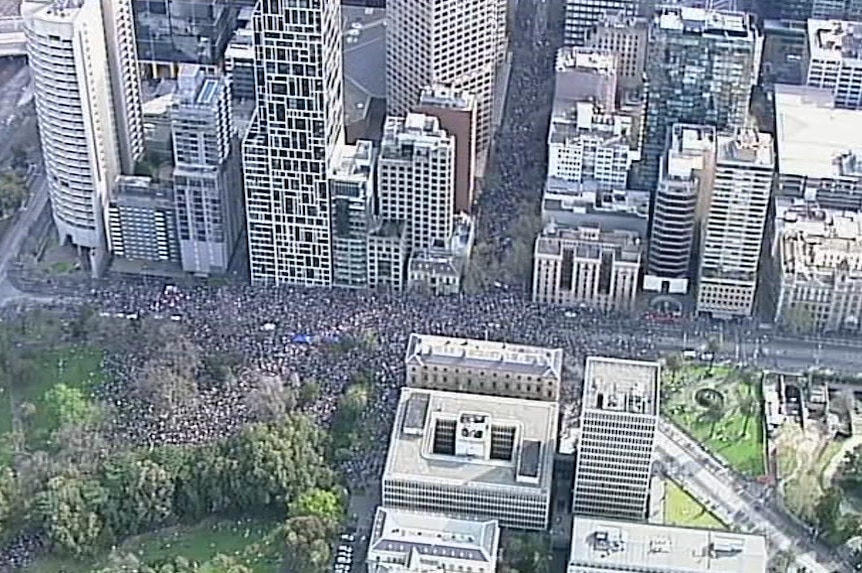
[{"x": 736, "y": 501}]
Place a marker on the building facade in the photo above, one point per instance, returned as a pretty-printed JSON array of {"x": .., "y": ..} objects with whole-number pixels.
[
  {"x": 416, "y": 179},
  {"x": 290, "y": 146},
  {"x": 619, "y": 419},
  {"x": 351, "y": 187},
  {"x": 239, "y": 64},
  {"x": 733, "y": 237},
  {"x": 680, "y": 208},
  {"x": 587, "y": 266},
  {"x": 142, "y": 220},
  {"x": 388, "y": 251},
  {"x": 701, "y": 66},
  {"x": 74, "y": 56},
  {"x": 438, "y": 43},
  {"x": 207, "y": 177},
  {"x": 627, "y": 37},
  {"x": 410, "y": 542},
  {"x": 463, "y": 455},
  {"x": 484, "y": 367},
  {"x": 583, "y": 15},
  {"x": 835, "y": 60},
  {"x": 456, "y": 111}
]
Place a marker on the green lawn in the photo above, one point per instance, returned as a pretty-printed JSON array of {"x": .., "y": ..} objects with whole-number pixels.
[
  {"x": 245, "y": 540},
  {"x": 683, "y": 510}
]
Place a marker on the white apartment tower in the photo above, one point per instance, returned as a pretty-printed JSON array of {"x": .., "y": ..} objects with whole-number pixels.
[
  {"x": 835, "y": 60},
  {"x": 79, "y": 59},
  {"x": 457, "y": 44},
  {"x": 619, "y": 418},
  {"x": 416, "y": 179},
  {"x": 292, "y": 141},
  {"x": 730, "y": 250}
]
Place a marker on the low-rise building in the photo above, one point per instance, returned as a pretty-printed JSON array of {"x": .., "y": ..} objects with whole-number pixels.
[
  {"x": 409, "y": 542},
  {"x": 439, "y": 271},
  {"x": 608, "y": 546},
  {"x": 626, "y": 36},
  {"x": 484, "y": 367},
  {"x": 387, "y": 254},
  {"x": 587, "y": 266},
  {"x": 142, "y": 222},
  {"x": 585, "y": 74},
  {"x": 819, "y": 257},
  {"x": 465, "y": 455},
  {"x": 576, "y": 205}
]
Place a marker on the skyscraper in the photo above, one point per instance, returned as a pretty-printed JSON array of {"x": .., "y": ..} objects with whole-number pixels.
[
  {"x": 730, "y": 251},
  {"x": 583, "y": 15},
  {"x": 291, "y": 144},
  {"x": 458, "y": 45},
  {"x": 701, "y": 66},
  {"x": 83, "y": 91},
  {"x": 619, "y": 417}
]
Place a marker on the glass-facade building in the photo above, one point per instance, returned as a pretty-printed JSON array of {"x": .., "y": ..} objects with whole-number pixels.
[{"x": 172, "y": 32}]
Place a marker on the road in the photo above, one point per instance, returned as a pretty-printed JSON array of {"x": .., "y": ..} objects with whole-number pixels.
[
  {"x": 10, "y": 244},
  {"x": 738, "y": 502}
]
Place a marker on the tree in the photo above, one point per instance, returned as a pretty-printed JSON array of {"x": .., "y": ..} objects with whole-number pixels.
[
  {"x": 13, "y": 192},
  {"x": 712, "y": 416},
  {"x": 10, "y": 500},
  {"x": 70, "y": 510},
  {"x": 163, "y": 387},
  {"x": 827, "y": 511},
  {"x": 140, "y": 495},
  {"x": 269, "y": 399},
  {"x": 68, "y": 405},
  {"x": 307, "y": 544},
  {"x": 673, "y": 362},
  {"x": 748, "y": 407},
  {"x": 309, "y": 392},
  {"x": 800, "y": 319},
  {"x": 326, "y": 504},
  {"x": 713, "y": 347}
]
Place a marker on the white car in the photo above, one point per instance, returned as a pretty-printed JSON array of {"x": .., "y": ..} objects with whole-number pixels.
[{"x": 347, "y": 537}]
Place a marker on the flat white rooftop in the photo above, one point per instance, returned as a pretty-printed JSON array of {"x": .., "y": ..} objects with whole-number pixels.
[
  {"x": 811, "y": 133},
  {"x": 468, "y": 440},
  {"x": 600, "y": 544},
  {"x": 619, "y": 385},
  {"x": 429, "y": 350},
  {"x": 429, "y": 536}
]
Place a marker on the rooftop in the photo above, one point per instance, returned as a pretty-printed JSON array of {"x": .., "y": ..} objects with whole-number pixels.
[
  {"x": 472, "y": 441},
  {"x": 620, "y": 385},
  {"x": 142, "y": 191},
  {"x": 811, "y": 133},
  {"x": 428, "y": 350},
  {"x": 364, "y": 44},
  {"x": 702, "y": 21},
  {"x": 437, "y": 261},
  {"x": 815, "y": 241},
  {"x": 590, "y": 242},
  {"x": 686, "y": 152},
  {"x": 834, "y": 40},
  {"x": 10, "y": 8},
  {"x": 644, "y": 547},
  {"x": 429, "y": 536},
  {"x": 565, "y": 196},
  {"x": 402, "y": 135},
  {"x": 589, "y": 118},
  {"x": 747, "y": 146},
  {"x": 355, "y": 161},
  {"x": 447, "y": 97}
]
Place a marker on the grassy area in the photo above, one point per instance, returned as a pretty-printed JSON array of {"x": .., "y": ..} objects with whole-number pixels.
[
  {"x": 806, "y": 487},
  {"x": 737, "y": 436},
  {"x": 683, "y": 510},
  {"x": 246, "y": 540}
]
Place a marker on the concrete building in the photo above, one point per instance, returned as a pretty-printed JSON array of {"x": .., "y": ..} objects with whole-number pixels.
[
  {"x": 484, "y": 367},
  {"x": 701, "y": 66},
  {"x": 456, "y": 112},
  {"x": 818, "y": 253},
  {"x": 432, "y": 43},
  {"x": 574, "y": 205},
  {"x": 291, "y": 144},
  {"x": 732, "y": 240},
  {"x": 619, "y": 416},
  {"x": 78, "y": 62},
  {"x": 439, "y": 271},
  {"x": 174, "y": 32},
  {"x": 351, "y": 186},
  {"x": 680, "y": 208},
  {"x": 388, "y": 250},
  {"x": 416, "y": 179},
  {"x": 835, "y": 60},
  {"x": 818, "y": 148},
  {"x": 587, "y": 144},
  {"x": 142, "y": 220},
  {"x": 585, "y": 74},
  {"x": 785, "y": 48},
  {"x": 587, "y": 266},
  {"x": 583, "y": 15},
  {"x": 239, "y": 63},
  {"x": 608, "y": 546},
  {"x": 409, "y": 542},
  {"x": 626, "y": 36},
  {"x": 467, "y": 456},
  {"x": 207, "y": 173}
]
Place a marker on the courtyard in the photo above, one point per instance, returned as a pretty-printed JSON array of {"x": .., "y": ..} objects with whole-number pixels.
[{"x": 721, "y": 407}]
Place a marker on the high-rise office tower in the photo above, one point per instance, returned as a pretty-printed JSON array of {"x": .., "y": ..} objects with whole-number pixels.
[
  {"x": 174, "y": 32},
  {"x": 77, "y": 57},
  {"x": 731, "y": 244},
  {"x": 679, "y": 208},
  {"x": 456, "y": 111},
  {"x": 416, "y": 179},
  {"x": 835, "y": 61},
  {"x": 701, "y": 66},
  {"x": 290, "y": 146},
  {"x": 626, "y": 37},
  {"x": 583, "y": 15},
  {"x": 456, "y": 44},
  {"x": 619, "y": 417},
  {"x": 207, "y": 176}
]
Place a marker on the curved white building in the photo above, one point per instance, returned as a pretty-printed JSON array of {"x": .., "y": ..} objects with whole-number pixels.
[{"x": 68, "y": 60}]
